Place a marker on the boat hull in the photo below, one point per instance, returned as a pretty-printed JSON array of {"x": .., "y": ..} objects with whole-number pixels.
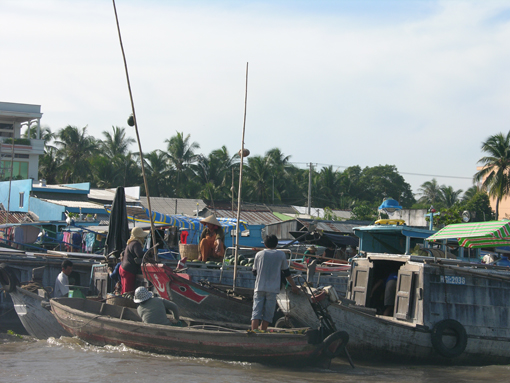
[
  {"x": 38, "y": 321},
  {"x": 101, "y": 324},
  {"x": 374, "y": 337}
]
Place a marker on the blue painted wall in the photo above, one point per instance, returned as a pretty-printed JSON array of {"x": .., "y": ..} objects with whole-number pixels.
[
  {"x": 17, "y": 187},
  {"x": 47, "y": 211}
]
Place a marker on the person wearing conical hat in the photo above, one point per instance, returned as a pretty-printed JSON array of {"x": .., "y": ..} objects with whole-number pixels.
[
  {"x": 132, "y": 259},
  {"x": 212, "y": 240}
]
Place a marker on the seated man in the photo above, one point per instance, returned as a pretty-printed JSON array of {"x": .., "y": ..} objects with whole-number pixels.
[
  {"x": 153, "y": 309},
  {"x": 62, "y": 283}
]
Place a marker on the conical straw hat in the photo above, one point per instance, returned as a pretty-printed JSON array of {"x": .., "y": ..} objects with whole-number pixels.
[{"x": 212, "y": 220}]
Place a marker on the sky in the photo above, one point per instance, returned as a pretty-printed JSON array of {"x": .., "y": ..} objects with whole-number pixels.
[{"x": 415, "y": 84}]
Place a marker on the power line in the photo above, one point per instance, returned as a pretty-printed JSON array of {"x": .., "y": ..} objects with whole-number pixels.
[{"x": 409, "y": 174}]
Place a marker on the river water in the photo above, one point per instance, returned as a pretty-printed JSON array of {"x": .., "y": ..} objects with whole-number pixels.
[{"x": 24, "y": 359}]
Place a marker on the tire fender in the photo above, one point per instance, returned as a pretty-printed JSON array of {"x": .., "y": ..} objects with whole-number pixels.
[
  {"x": 334, "y": 344},
  {"x": 8, "y": 279},
  {"x": 436, "y": 337}
]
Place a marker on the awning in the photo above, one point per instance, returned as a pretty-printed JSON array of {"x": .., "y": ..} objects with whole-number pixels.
[
  {"x": 477, "y": 234},
  {"x": 139, "y": 214},
  {"x": 326, "y": 239},
  {"x": 192, "y": 223}
]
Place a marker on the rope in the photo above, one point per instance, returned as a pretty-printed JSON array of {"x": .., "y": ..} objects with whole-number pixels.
[
  {"x": 76, "y": 327},
  {"x": 8, "y": 311}
]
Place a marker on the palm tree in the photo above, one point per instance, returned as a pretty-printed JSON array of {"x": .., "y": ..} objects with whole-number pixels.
[
  {"x": 45, "y": 133},
  {"x": 213, "y": 173},
  {"x": 449, "y": 196},
  {"x": 328, "y": 188},
  {"x": 181, "y": 154},
  {"x": 495, "y": 167},
  {"x": 116, "y": 143},
  {"x": 430, "y": 192},
  {"x": 470, "y": 193},
  {"x": 75, "y": 148},
  {"x": 158, "y": 173},
  {"x": 48, "y": 165},
  {"x": 258, "y": 178}
]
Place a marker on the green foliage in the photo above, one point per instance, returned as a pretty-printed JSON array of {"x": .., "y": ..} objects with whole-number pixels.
[
  {"x": 18, "y": 141},
  {"x": 495, "y": 167},
  {"x": 364, "y": 212},
  {"x": 179, "y": 171},
  {"x": 478, "y": 206}
]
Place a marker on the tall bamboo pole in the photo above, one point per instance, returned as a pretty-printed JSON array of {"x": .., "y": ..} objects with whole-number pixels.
[
  {"x": 153, "y": 236},
  {"x": 240, "y": 183}
]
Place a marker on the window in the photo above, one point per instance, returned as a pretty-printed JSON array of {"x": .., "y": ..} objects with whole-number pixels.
[
  {"x": 19, "y": 170},
  {"x": 21, "y": 199}
]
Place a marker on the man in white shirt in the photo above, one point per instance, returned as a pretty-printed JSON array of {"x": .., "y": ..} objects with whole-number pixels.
[
  {"x": 268, "y": 266},
  {"x": 62, "y": 282}
]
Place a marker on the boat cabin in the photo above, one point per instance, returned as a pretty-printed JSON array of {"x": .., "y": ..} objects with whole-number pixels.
[{"x": 429, "y": 290}]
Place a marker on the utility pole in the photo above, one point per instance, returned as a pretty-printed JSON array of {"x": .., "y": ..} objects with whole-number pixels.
[{"x": 310, "y": 189}]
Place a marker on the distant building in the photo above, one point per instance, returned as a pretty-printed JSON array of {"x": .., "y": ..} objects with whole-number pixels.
[{"x": 17, "y": 154}]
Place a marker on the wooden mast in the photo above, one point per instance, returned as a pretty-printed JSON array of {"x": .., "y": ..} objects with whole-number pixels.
[
  {"x": 240, "y": 183},
  {"x": 153, "y": 236}
]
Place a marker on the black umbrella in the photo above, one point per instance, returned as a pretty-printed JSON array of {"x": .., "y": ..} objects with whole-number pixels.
[{"x": 118, "y": 229}]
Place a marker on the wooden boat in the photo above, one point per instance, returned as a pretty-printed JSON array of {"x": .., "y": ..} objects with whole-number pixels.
[
  {"x": 446, "y": 311},
  {"x": 30, "y": 299},
  {"x": 195, "y": 300},
  {"x": 37, "y": 319},
  {"x": 102, "y": 324}
]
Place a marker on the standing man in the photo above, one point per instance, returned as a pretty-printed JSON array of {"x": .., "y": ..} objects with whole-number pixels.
[
  {"x": 62, "y": 282},
  {"x": 268, "y": 267}
]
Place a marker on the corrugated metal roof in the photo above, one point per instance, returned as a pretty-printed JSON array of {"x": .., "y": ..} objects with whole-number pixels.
[
  {"x": 109, "y": 195},
  {"x": 75, "y": 204},
  {"x": 283, "y": 209},
  {"x": 168, "y": 205},
  {"x": 345, "y": 227},
  {"x": 251, "y": 217}
]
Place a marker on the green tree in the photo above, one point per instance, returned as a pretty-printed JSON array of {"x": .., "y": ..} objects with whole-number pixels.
[
  {"x": 258, "y": 177},
  {"x": 449, "y": 197},
  {"x": 158, "y": 174},
  {"x": 383, "y": 181},
  {"x": 49, "y": 164},
  {"x": 495, "y": 167},
  {"x": 181, "y": 154},
  {"x": 363, "y": 211},
  {"x": 470, "y": 193},
  {"x": 75, "y": 148},
  {"x": 116, "y": 143},
  {"x": 430, "y": 192}
]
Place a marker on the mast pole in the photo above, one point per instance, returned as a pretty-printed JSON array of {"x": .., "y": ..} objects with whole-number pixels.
[
  {"x": 153, "y": 236},
  {"x": 240, "y": 183}
]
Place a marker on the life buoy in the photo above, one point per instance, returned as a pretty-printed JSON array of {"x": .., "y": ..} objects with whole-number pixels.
[
  {"x": 7, "y": 278},
  {"x": 334, "y": 344},
  {"x": 455, "y": 327}
]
